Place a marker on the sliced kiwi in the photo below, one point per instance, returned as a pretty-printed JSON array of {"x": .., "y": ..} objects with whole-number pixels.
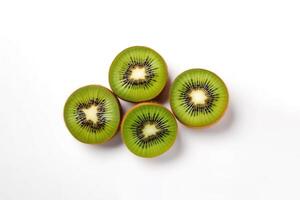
[
  {"x": 149, "y": 129},
  {"x": 92, "y": 114},
  {"x": 198, "y": 97},
  {"x": 138, "y": 74}
]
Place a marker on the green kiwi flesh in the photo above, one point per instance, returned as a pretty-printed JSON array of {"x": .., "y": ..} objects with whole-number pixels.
[
  {"x": 149, "y": 129},
  {"x": 92, "y": 114},
  {"x": 138, "y": 74},
  {"x": 198, "y": 97}
]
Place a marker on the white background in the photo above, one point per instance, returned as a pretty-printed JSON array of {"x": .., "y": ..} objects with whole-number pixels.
[{"x": 50, "y": 48}]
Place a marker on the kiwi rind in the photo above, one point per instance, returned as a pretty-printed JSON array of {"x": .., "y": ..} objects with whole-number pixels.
[
  {"x": 139, "y": 105},
  {"x": 141, "y": 94},
  {"x": 117, "y": 117},
  {"x": 216, "y": 119}
]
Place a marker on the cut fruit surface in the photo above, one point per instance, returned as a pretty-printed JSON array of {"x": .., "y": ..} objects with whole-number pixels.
[
  {"x": 149, "y": 129},
  {"x": 92, "y": 114},
  {"x": 198, "y": 97},
  {"x": 138, "y": 74}
]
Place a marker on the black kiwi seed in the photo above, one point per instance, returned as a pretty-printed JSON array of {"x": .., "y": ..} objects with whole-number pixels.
[
  {"x": 149, "y": 129},
  {"x": 134, "y": 63},
  {"x": 92, "y": 114},
  {"x": 87, "y": 123},
  {"x": 209, "y": 90},
  {"x": 146, "y": 119},
  {"x": 198, "y": 97},
  {"x": 138, "y": 74}
]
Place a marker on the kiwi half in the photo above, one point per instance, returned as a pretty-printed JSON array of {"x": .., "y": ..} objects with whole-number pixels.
[
  {"x": 149, "y": 129},
  {"x": 138, "y": 74},
  {"x": 198, "y": 97},
  {"x": 92, "y": 114}
]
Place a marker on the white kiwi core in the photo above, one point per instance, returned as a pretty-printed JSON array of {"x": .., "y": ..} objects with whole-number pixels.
[
  {"x": 198, "y": 96},
  {"x": 138, "y": 73},
  {"x": 149, "y": 130},
  {"x": 91, "y": 113}
]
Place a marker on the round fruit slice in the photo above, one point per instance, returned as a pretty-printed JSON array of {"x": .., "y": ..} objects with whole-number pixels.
[
  {"x": 149, "y": 129},
  {"x": 198, "y": 97},
  {"x": 92, "y": 114},
  {"x": 138, "y": 74}
]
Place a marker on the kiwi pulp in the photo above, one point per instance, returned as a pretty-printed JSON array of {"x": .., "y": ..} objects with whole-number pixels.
[
  {"x": 92, "y": 114},
  {"x": 198, "y": 97},
  {"x": 138, "y": 74},
  {"x": 149, "y": 129}
]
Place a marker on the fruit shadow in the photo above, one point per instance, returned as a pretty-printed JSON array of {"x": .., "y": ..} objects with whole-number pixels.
[
  {"x": 115, "y": 142},
  {"x": 163, "y": 97},
  {"x": 105, "y": 150}
]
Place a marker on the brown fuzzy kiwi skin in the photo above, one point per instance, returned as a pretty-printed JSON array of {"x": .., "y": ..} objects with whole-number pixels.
[
  {"x": 212, "y": 123},
  {"x": 141, "y": 104},
  {"x": 167, "y": 78},
  {"x": 119, "y": 105}
]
